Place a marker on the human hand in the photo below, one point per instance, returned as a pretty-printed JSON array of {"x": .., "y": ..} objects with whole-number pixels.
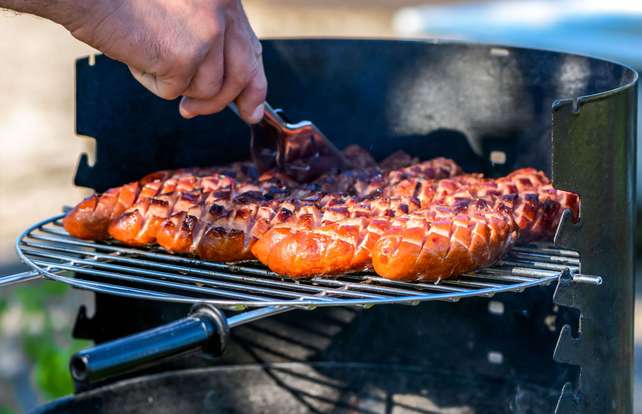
[{"x": 203, "y": 50}]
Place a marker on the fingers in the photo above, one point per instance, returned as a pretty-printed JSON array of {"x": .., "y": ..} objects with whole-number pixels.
[
  {"x": 249, "y": 97},
  {"x": 250, "y": 101},
  {"x": 168, "y": 85},
  {"x": 243, "y": 80},
  {"x": 187, "y": 60},
  {"x": 206, "y": 83},
  {"x": 172, "y": 75},
  {"x": 208, "y": 79},
  {"x": 164, "y": 87},
  {"x": 210, "y": 64}
]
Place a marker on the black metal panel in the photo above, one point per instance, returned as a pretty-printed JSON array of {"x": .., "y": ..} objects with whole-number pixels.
[{"x": 137, "y": 133}]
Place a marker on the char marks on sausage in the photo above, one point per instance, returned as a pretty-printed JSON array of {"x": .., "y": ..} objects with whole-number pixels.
[{"x": 404, "y": 219}]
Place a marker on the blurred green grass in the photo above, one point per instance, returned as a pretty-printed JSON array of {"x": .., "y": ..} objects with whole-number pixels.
[{"x": 47, "y": 345}]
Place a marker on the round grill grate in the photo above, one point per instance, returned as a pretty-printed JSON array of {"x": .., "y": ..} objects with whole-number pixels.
[{"x": 154, "y": 274}]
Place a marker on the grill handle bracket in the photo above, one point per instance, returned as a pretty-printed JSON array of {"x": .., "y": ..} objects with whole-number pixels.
[
  {"x": 205, "y": 328},
  {"x": 574, "y": 291}
]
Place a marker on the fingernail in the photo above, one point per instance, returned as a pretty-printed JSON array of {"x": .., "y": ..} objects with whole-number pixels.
[
  {"x": 187, "y": 115},
  {"x": 257, "y": 115},
  {"x": 183, "y": 111}
]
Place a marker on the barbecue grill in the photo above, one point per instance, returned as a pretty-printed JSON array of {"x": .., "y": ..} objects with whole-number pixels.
[{"x": 548, "y": 328}]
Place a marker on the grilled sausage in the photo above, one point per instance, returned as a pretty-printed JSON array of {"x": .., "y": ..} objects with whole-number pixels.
[
  {"x": 223, "y": 225},
  {"x": 464, "y": 223},
  {"x": 416, "y": 222},
  {"x": 91, "y": 218},
  {"x": 443, "y": 241},
  {"x": 216, "y": 214}
]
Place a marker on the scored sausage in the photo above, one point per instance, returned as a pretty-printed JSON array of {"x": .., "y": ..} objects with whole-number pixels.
[
  {"x": 405, "y": 219},
  {"x": 461, "y": 224}
]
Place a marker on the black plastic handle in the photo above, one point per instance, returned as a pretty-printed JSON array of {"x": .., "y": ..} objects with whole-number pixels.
[{"x": 205, "y": 327}]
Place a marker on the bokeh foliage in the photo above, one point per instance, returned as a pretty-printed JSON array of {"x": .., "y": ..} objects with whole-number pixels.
[{"x": 49, "y": 346}]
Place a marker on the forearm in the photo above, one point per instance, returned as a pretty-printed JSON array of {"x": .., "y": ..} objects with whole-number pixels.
[{"x": 64, "y": 12}]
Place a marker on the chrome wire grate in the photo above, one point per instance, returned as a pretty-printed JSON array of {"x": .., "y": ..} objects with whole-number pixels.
[{"x": 155, "y": 274}]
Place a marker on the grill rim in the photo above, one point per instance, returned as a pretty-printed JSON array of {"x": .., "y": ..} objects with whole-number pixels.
[{"x": 331, "y": 291}]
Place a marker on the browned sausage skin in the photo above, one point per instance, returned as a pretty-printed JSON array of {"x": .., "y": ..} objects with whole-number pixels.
[
  {"x": 422, "y": 221},
  {"x": 455, "y": 225},
  {"x": 160, "y": 203}
]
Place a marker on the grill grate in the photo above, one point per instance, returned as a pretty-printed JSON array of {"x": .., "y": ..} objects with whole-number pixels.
[{"x": 155, "y": 274}]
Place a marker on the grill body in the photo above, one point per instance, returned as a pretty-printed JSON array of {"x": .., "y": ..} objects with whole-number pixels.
[
  {"x": 467, "y": 102},
  {"x": 304, "y": 388}
]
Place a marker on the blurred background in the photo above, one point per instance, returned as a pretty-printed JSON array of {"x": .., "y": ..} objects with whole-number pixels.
[{"x": 40, "y": 149}]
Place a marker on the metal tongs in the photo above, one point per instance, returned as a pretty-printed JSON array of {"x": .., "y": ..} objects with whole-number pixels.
[{"x": 300, "y": 149}]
